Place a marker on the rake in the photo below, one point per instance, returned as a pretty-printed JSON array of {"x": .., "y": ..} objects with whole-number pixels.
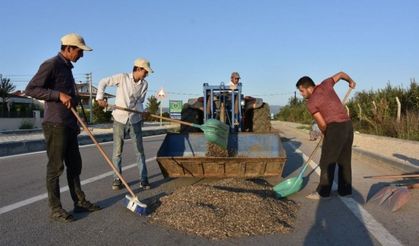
[{"x": 214, "y": 130}]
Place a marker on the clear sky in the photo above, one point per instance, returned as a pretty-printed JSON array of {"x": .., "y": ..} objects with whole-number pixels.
[{"x": 189, "y": 42}]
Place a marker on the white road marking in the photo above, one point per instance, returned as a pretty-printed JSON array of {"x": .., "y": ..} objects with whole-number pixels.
[
  {"x": 374, "y": 227},
  {"x": 81, "y": 147},
  {"x": 37, "y": 198}
]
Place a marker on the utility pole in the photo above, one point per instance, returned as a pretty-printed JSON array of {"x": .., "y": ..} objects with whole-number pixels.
[{"x": 89, "y": 80}]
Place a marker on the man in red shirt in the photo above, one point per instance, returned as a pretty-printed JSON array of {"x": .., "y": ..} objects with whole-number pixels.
[{"x": 331, "y": 117}]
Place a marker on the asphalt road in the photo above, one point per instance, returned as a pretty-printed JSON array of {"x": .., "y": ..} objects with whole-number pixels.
[{"x": 349, "y": 221}]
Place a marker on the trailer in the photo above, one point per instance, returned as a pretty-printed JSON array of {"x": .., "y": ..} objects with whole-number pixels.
[{"x": 251, "y": 155}]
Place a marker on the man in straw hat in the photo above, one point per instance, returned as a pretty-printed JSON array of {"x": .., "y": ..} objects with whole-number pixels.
[
  {"x": 130, "y": 93},
  {"x": 54, "y": 83}
]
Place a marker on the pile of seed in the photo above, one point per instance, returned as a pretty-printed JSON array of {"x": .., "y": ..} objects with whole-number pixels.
[
  {"x": 227, "y": 208},
  {"x": 216, "y": 150}
]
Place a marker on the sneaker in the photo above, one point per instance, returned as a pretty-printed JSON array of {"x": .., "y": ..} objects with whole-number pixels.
[
  {"x": 85, "y": 206},
  {"x": 145, "y": 185},
  {"x": 61, "y": 215},
  {"x": 316, "y": 196},
  {"x": 116, "y": 184}
]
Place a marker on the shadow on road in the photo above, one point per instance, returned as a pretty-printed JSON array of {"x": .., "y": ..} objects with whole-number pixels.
[
  {"x": 294, "y": 159},
  {"x": 411, "y": 160},
  {"x": 335, "y": 226}
]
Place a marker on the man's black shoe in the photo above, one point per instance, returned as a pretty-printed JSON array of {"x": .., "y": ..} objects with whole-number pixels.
[
  {"x": 85, "y": 206},
  {"x": 61, "y": 215},
  {"x": 145, "y": 185},
  {"x": 117, "y": 184}
]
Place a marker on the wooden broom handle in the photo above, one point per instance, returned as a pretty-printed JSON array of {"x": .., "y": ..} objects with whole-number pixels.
[
  {"x": 152, "y": 115},
  {"x": 103, "y": 153},
  {"x": 392, "y": 176},
  {"x": 346, "y": 96}
]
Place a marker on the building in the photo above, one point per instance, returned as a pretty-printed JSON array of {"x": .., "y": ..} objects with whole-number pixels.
[{"x": 83, "y": 91}]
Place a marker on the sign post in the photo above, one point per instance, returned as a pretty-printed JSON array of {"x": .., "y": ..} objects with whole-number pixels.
[
  {"x": 161, "y": 94},
  {"x": 175, "y": 108}
]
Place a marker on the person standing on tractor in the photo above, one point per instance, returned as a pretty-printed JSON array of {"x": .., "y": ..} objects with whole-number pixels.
[
  {"x": 234, "y": 82},
  {"x": 332, "y": 119},
  {"x": 130, "y": 93}
]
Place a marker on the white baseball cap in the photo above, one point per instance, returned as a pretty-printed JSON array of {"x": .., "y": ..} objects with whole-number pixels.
[
  {"x": 141, "y": 62},
  {"x": 73, "y": 39}
]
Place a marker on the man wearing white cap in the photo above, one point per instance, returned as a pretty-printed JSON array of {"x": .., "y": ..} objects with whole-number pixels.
[
  {"x": 130, "y": 93},
  {"x": 54, "y": 83}
]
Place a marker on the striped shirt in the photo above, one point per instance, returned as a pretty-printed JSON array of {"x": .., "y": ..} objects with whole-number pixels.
[{"x": 325, "y": 100}]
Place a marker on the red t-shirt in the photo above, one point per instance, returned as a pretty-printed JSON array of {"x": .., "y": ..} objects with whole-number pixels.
[{"x": 325, "y": 100}]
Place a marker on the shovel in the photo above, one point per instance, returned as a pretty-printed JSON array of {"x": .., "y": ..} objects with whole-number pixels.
[
  {"x": 394, "y": 196},
  {"x": 214, "y": 130},
  {"x": 293, "y": 185}
]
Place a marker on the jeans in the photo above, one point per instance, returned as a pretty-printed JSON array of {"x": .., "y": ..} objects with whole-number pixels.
[
  {"x": 119, "y": 130},
  {"x": 336, "y": 150},
  {"x": 62, "y": 145}
]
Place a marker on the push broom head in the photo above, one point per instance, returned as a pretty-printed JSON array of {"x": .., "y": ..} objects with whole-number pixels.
[{"x": 133, "y": 204}]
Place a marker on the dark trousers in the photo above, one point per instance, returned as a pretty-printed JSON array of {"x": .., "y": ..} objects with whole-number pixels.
[
  {"x": 62, "y": 146},
  {"x": 336, "y": 150}
]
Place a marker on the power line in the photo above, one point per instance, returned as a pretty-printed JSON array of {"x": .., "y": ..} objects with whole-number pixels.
[{"x": 81, "y": 77}]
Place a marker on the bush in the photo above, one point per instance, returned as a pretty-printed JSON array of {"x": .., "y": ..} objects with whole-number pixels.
[
  {"x": 99, "y": 115},
  {"x": 26, "y": 124},
  {"x": 373, "y": 112}
]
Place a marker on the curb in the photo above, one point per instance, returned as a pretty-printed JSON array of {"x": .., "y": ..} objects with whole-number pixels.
[
  {"x": 14, "y": 148},
  {"x": 400, "y": 165}
]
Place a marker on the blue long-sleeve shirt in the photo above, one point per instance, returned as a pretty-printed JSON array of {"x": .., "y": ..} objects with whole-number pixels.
[{"x": 54, "y": 76}]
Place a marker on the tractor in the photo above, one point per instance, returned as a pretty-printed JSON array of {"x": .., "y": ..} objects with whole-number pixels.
[
  {"x": 253, "y": 149},
  {"x": 241, "y": 113}
]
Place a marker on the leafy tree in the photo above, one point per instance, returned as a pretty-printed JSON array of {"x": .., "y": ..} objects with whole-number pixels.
[
  {"x": 99, "y": 115},
  {"x": 152, "y": 107},
  {"x": 6, "y": 87},
  {"x": 295, "y": 111}
]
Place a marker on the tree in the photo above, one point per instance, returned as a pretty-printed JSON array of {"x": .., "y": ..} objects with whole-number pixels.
[
  {"x": 6, "y": 87},
  {"x": 99, "y": 115},
  {"x": 152, "y": 106}
]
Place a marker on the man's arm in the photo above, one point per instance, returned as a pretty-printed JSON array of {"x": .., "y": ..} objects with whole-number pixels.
[
  {"x": 103, "y": 83},
  {"x": 37, "y": 87},
  {"x": 346, "y": 77},
  {"x": 320, "y": 121}
]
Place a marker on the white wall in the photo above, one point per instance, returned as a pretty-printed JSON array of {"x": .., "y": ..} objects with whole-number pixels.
[{"x": 15, "y": 123}]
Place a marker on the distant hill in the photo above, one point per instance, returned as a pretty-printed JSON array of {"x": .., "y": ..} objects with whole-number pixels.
[{"x": 275, "y": 108}]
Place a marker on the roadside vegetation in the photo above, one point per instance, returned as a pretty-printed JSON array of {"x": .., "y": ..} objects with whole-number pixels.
[{"x": 373, "y": 112}]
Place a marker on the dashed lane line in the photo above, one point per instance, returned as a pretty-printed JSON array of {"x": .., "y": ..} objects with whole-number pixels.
[{"x": 40, "y": 197}]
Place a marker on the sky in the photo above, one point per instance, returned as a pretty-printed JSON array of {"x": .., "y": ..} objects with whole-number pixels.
[{"x": 190, "y": 42}]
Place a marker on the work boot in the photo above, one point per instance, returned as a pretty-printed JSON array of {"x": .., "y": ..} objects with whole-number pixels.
[
  {"x": 61, "y": 215},
  {"x": 85, "y": 206},
  {"x": 145, "y": 184},
  {"x": 116, "y": 184}
]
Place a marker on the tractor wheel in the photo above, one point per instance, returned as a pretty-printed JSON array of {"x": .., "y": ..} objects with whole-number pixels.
[
  {"x": 191, "y": 115},
  {"x": 258, "y": 120}
]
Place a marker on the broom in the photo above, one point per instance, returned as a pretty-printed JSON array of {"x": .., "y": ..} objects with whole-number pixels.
[{"x": 131, "y": 202}]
